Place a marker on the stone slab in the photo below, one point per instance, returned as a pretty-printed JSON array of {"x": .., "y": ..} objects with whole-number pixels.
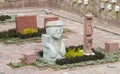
[
  {"x": 24, "y": 22},
  {"x": 29, "y": 57},
  {"x": 111, "y": 46}
]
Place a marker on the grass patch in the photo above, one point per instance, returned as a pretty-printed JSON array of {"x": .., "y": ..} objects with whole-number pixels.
[
  {"x": 75, "y": 54},
  {"x": 78, "y": 59},
  {"x": 7, "y": 18},
  {"x": 11, "y": 36},
  {"x": 4, "y": 17},
  {"x": 15, "y": 65}
]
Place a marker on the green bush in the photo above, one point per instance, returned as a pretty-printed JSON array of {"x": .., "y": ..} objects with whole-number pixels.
[
  {"x": 4, "y": 17},
  {"x": 30, "y": 31},
  {"x": 15, "y": 65},
  {"x": 76, "y": 59},
  {"x": 13, "y": 34},
  {"x": 72, "y": 60},
  {"x": 74, "y": 52}
]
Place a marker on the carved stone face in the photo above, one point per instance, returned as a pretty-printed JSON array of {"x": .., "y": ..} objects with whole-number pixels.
[{"x": 55, "y": 32}]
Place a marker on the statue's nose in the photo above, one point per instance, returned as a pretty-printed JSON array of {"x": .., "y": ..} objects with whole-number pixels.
[{"x": 58, "y": 31}]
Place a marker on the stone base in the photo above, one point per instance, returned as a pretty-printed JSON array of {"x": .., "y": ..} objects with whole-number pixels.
[
  {"x": 29, "y": 57},
  {"x": 111, "y": 46}
]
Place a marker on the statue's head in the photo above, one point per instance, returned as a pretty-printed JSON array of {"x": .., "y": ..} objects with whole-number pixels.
[{"x": 54, "y": 29}]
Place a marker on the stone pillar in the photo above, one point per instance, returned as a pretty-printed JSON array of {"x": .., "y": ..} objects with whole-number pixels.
[{"x": 88, "y": 32}]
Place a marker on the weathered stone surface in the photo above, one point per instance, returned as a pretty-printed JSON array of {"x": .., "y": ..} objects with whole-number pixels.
[
  {"x": 29, "y": 57},
  {"x": 25, "y": 22},
  {"x": 88, "y": 32},
  {"x": 111, "y": 46},
  {"x": 23, "y": 3},
  {"x": 86, "y": 6},
  {"x": 47, "y": 19},
  {"x": 76, "y": 6},
  {"x": 13, "y": 3},
  {"x": 53, "y": 47},
  {"x": 1, "y": 1}
]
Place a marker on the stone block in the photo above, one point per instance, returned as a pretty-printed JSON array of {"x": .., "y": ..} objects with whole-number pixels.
[
  {"x": 47, "y": 19},
  {"x": 29, "y": 57},
  {"x": 25, "y": 22},
  {"x": 111, "y": 46}
]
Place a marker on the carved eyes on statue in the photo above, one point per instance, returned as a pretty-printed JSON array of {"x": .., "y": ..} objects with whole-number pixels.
[{"x": 59, "y": 30}]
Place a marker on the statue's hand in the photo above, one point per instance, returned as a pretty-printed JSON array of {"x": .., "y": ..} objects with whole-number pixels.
[
  {"x": 53, "y": 52},
  {"x": 62, "y": 51}
]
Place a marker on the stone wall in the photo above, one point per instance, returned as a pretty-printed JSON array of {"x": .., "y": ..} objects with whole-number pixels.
[
  {"x": 23, "y": 3},
  {"x": 103, "y": 9}
]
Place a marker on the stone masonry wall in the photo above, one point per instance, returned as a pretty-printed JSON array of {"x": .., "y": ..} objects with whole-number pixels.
[
  {"x": 103, "y": 9},
  {"x": 4, "y": 4}
]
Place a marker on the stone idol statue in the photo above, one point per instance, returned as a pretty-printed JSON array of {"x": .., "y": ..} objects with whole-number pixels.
[{"x": 53, "y": 47}]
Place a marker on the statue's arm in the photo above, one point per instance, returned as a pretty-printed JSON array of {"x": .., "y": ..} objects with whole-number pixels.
[
  {"x": 63, "y": 50},
  {"x": 52, "y": 50},
  {"x": 47, "y": 44}
]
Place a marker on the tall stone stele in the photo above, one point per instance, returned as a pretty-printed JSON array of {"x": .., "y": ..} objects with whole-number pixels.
[
  {"x": 53, "y": 47},
  {"x": 88, "y": 32}
]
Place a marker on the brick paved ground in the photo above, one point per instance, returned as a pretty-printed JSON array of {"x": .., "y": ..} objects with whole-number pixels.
[{"x": 12, "y": 52}]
